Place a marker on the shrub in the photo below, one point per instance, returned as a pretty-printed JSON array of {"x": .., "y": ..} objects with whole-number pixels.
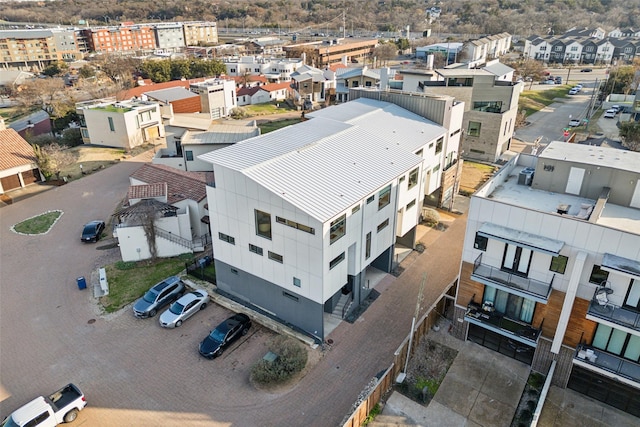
[
  {"x": 238, "y": 113},
  {"x": 292, "y": 358},
  {"x": 430, "y": 216}
]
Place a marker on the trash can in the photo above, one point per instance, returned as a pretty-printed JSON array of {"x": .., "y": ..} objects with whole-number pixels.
[{"x": 82, "y": 283}]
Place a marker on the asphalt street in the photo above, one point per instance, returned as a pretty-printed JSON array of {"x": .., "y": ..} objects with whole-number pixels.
[
  {"x": 135, "y": 373},
  {"x": 549, "y": 123}
]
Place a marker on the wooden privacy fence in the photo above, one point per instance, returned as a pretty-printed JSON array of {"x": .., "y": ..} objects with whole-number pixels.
[{"x": 386, "y": 381}]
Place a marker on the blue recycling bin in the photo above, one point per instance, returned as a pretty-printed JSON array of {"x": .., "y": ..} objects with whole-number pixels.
[{"x": 82, "y": 283}]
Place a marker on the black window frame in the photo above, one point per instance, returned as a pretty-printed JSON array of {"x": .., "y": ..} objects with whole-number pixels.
[
  {"x": 337, "y": 260},
  {"x": 559, "y": 264},
  {"x": 226, "y": 238}
]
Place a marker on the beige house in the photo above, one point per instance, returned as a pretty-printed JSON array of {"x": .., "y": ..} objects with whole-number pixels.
[{"x": 123, "y": 124}]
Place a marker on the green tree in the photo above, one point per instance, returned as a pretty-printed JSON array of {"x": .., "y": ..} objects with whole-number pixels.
[
  {"x": 54, "y": 69},
  {"x": 403, "y": 44},
  {"x": 630, "y": 134},
  {"x": 86, "y": 72},
  {"x": 619, "y": 81}
]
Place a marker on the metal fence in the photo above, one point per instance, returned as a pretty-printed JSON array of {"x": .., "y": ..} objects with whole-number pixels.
[{"x": 202, "y": 268}]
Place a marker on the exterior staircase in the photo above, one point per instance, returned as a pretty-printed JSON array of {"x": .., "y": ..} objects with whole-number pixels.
[
  {"x": 343, "y": 306},
  {"x": 196, "y": 245}
]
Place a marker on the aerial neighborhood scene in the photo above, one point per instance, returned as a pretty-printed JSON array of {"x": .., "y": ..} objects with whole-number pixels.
[{"x": 317, "y": 213}]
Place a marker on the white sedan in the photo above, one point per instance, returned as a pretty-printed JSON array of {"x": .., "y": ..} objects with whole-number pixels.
[{"x": 188, "y": 305}]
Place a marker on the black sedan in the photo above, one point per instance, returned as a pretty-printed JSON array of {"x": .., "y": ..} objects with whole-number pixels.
[
  {"x": 224, "y": 334},
  {"x": 92, "y": 231},
  {"x": 586, "y": 70}
]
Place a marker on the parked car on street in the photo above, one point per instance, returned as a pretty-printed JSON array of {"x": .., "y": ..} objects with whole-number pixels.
[
  {"x": 558, "y": 80},
  {"x": 586, "y": 70},
  {"x": 224, "y": 334},
  {"x": 610, "y": 114},
  {"x": 92, "y": 230},
  {"x": 616, "y": 107},
  {"x": 185, "y": 307},
  {"x": 160, "y": 295},
  {"x": 574, "y": 91},
  {"x": 574, "y": 122}
]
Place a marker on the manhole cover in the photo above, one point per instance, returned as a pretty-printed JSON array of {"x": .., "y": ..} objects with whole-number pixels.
[{"x": 91, "y": 321}]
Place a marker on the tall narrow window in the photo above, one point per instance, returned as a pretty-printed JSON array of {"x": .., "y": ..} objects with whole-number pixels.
[
  {"x": 413, "y": 178},
  {"x": 439, "y": 144},
  {"x": 384, "y": 197},
  {"x": 112, "y": 128},
  {"x": 338, "y": 228},
  {"x": 263, "y": 224},
  {"x": 367, "y": 248}
]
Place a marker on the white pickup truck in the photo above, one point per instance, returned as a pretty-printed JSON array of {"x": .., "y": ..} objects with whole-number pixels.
[{"x": 61, "y": 406}]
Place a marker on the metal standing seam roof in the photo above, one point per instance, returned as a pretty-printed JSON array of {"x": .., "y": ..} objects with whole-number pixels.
[
  {"x": 171, "y": 94},
  {"x": 323, "y": 166}
]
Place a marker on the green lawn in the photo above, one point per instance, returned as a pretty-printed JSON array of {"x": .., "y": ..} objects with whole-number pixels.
[
  {"x": 266, "y": 109},
  {"x": 39, "y": 224},
  {"x": 278, "y": 124},
  {"x": 535, "y": 100},
  {"x": 128, "y": 281}
]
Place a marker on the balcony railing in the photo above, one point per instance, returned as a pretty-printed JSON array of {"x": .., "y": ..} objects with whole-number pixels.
[
  {"x": 510, "y": 282},
  {"x": 608, "y": 362},
  {"x": 615, "y": 314},
  {"x": 497, "y": 322}
]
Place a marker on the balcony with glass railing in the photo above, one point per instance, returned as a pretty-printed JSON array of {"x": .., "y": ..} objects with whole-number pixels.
[
  {"x": 614, "y": 314},
  {"x": 589, "y": 356},
  {"x": 536, "y": 290},
  {"x": 497, "y": 322}
]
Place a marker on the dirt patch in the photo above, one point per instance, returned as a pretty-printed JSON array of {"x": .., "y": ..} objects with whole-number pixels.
[
  {"x": 474, "y": 175},
  {"x": 426, "y": 370}
]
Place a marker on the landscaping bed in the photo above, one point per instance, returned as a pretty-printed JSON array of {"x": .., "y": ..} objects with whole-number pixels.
[{"x": 426, "y": 370}]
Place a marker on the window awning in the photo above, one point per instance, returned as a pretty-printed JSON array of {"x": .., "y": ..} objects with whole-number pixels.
[
  {"x": 520, "y": 238},
  {"x": 618, "y": 264}
]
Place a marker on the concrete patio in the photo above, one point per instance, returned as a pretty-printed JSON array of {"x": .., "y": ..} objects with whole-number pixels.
[{"x": 482, "y": 388}]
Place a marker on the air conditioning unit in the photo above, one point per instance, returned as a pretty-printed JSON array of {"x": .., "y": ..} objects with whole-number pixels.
[{"x": 526, "y": 176}]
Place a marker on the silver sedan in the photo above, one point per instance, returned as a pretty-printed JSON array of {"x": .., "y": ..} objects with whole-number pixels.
[{"x": 188, "y": 305}]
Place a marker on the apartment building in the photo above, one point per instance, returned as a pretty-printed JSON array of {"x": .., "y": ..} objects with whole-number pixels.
[
  {"x": 121, "y": 39},
  {"x": 550, "y": 271},
  {"x": 328, "y": 52},
  {"x": 200, "y": 33},
  {"x": 36, "y": 48},
  {"x": 170, "y": 37},
  {"x": 123, "y": 124},
  {"x": 299, "y": 216}
]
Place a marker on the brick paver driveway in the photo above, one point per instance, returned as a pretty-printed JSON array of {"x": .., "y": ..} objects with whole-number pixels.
[{"x": 135, "y": 373}]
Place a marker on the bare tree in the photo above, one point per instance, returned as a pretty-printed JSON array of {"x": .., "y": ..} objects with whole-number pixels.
[
  {"x": 148, "y": 217},
  {"x": 53, "y": 158},
  {"x": 41, "y": 92},
  {"x": 385, "y": 52}
]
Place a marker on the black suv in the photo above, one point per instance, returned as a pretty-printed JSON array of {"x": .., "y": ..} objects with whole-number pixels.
[{"x": 160, "y": 295}]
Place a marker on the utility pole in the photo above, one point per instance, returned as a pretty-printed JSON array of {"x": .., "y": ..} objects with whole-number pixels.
[
  {"x": 402, "y": 375},
  {"x": 344, "y": 24}
]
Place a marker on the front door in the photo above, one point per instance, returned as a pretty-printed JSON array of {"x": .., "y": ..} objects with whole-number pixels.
[{"x": 516, "y": 259}]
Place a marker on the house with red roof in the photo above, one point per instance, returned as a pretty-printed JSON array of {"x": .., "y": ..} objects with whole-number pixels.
[
  {"x": 252, "y": 95},
  {"x": 18, "y": 164},
  {"x": 175, "y": 201}
]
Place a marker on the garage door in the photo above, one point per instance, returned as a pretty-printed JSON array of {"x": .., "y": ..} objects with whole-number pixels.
[
  {"x": 10, "y": 182},
  {"x": 29, "y": 177}
]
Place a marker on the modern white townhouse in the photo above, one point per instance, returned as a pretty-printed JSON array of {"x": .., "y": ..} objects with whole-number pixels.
[
  {"x": 550, "y": 271},
  {"x": 123, "y": 124},
  {"x": 276, "y": 70},
  {"x": 299, "y": 216}
]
